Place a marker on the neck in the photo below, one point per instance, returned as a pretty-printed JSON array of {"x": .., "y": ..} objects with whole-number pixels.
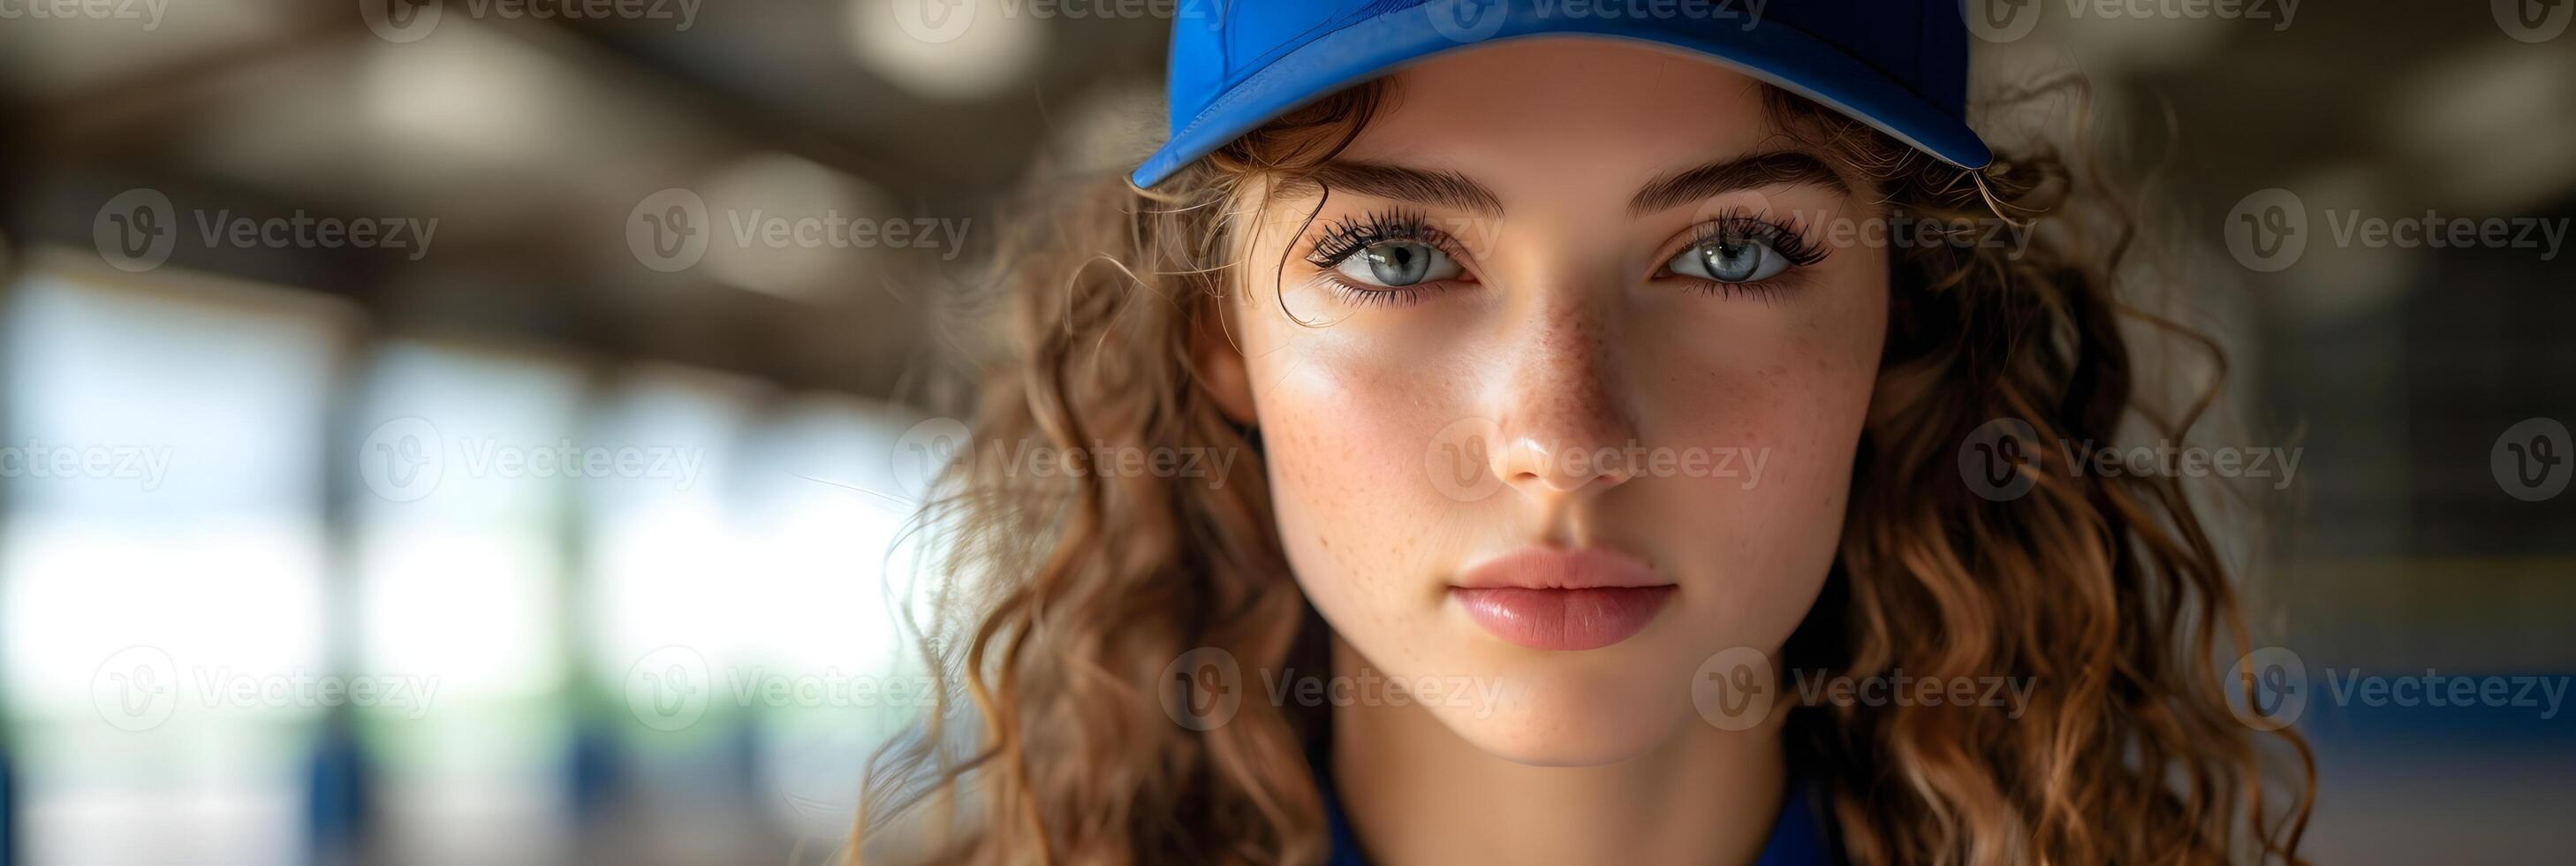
[{"x": 1418, "y": 795}]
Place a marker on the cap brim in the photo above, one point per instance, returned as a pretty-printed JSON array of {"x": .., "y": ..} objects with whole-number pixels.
[{"x": 1771, "y": 51}]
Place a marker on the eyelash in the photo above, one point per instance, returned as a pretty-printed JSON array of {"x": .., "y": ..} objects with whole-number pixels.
[
  {"x": 1347, "y": 236},
  {"x": 1788, "y": 238}
]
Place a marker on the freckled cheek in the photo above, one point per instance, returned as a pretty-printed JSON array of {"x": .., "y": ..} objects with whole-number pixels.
[
  {"x": 1784, "y": 432},
  {"x": 1768, "y": 484},
  {"x": 1345, "y": 445},
  {"x": 1755, "y": 539},
  {"x": 1785, "y": 404},
  {"x": 1797, "y": 386}
]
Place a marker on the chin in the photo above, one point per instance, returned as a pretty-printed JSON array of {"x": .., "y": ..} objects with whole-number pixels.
[{"x": 1582, "y": 716}]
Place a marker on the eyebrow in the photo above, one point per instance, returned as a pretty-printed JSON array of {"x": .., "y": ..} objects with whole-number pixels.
[
  {"x": 1727, "y": 175},
  {"x": 1454, "y": 190},
  {"x": 1427, "y": 186}
]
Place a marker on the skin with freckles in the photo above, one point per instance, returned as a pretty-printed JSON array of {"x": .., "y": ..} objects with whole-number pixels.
[
  {"x": 1568, "y": 374},
  {"x": 1614, "y": 330}
]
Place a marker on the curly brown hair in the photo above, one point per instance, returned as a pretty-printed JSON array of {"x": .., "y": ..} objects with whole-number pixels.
[{"x": 1065, "y": 597}]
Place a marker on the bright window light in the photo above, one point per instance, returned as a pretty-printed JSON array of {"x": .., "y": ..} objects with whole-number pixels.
[
  {"x": 824, "y": 515},
  {"x": 161, "y": 574},
  {"x": 671, "y": 581},
  {"x": 459, "y": 514}
]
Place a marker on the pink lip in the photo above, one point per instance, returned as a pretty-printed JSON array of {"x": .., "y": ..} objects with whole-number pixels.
[{"x": 1554, "y": 599}]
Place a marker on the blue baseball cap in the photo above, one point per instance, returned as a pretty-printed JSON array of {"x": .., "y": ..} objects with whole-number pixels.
[{"x": 1900, "y": 66}]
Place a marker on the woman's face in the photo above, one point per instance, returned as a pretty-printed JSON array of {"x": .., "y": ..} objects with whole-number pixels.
[{"x": 1561, "y": 385}]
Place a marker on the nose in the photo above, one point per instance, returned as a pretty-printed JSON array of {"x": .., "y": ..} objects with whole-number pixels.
[{"x": 1564, "y": 423}]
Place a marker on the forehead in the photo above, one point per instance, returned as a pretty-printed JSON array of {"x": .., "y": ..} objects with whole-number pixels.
[{"x": 1563, "y": 109}]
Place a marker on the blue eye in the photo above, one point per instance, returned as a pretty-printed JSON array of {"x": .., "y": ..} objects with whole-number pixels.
[
  {"x": 1730, "y": 260},
  {"x": 1398, "y": 263}
]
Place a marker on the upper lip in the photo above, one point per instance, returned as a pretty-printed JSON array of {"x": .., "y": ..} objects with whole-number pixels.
[{"x": 1540, "y": 567}]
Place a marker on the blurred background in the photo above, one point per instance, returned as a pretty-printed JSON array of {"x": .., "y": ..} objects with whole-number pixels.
[{"x": 479, "y": 432}]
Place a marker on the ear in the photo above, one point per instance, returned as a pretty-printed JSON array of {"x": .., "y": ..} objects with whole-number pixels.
[{"x": 1219, "y": 361}]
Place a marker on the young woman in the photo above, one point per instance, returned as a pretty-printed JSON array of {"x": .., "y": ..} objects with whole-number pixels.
[{"x": 1611, "y": 392}]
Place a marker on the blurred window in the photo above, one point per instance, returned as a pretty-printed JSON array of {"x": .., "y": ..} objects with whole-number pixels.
[{"x": 161, "y": 565}]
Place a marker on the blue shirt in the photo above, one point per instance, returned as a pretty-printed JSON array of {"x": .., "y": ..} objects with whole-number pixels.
[{"x": 1797, "y": 837}]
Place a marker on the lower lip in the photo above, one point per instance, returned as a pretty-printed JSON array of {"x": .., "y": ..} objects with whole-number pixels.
[{"x": 1564, "y": 619}]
